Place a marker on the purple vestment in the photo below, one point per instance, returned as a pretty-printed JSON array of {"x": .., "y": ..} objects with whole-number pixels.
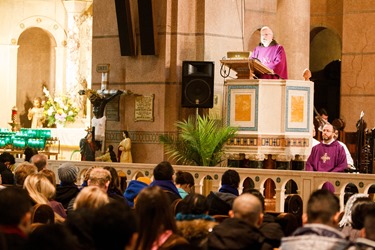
[
  {"x": 327, "y": 158},
  {"x": 273, "y": 57}
]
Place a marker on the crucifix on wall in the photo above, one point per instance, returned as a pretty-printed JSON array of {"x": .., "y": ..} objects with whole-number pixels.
[{"x": 99, "y": 99}]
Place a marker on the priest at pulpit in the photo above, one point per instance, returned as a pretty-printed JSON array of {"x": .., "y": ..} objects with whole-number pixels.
[{"x": 271, "y": 54}]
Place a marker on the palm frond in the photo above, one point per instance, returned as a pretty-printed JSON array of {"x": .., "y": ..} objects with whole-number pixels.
[{"x": 200, "y": 141}]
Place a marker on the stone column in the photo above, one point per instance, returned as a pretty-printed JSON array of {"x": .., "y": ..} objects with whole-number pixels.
[
  {"x": 8, "y": 81},
  {"x": 60, "y": 69},
  {"x": 74, "y": 11},
  {"x": 269, "y": 185},
  {"x": 293, "y": 19},
  {"x": 280, "y": 199}
]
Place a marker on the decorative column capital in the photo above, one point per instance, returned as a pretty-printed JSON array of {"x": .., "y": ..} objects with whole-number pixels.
[
  {"x": 282, "y": 157},
  {"x": 255, "y": 157},
  {"x": 301, "y": 157},
  {"x": 76, "y": 6}
]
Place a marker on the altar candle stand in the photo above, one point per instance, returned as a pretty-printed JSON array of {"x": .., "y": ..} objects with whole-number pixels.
[{"x": 14, "y": 123}]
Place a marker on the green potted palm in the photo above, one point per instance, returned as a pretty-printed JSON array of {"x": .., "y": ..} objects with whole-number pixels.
[{"x": 200, "y": 141}]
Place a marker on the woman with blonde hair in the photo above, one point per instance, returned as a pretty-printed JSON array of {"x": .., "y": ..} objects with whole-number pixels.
[
  {"x": 82, "y": 214},
  {"x": 40, "y": 188},
  {"x": 56, "y": 206},
  {"x": 42, "y": 191},
  {"x": 90, "y": 198},
  {"x": 51, "y": 176}
]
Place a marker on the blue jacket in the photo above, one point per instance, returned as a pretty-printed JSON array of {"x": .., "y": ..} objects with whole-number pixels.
[{"x": 133, "y": 190}]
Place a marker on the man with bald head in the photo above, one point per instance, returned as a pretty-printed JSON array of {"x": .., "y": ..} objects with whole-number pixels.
[
  {"x": 241, "y": 229},
  {"x": 271, "y": 54},
  {"x": 40, "y": 161},
  {"x": 248, "y": 208}
]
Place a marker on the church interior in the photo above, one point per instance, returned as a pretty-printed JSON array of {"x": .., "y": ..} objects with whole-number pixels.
[{"x": 60, "y": 47}]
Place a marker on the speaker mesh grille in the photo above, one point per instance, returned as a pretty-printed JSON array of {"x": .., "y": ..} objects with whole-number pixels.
[{"x": 197, "y": 91}]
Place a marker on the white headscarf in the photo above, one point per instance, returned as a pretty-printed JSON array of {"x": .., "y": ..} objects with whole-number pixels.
[{"x": 347, "y": 218}]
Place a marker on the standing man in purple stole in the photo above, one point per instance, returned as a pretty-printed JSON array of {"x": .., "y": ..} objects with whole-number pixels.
[
  {"x": 271, "y": 54},
  {"x": 327, "y": 156}
]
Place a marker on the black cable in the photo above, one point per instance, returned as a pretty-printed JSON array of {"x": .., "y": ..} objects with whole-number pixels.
[{"x": 223, "y": 71}]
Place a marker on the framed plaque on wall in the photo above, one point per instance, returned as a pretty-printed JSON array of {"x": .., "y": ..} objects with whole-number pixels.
[
  {"x": 144, "y": 108},
  {"x": 112, "y": 110}
]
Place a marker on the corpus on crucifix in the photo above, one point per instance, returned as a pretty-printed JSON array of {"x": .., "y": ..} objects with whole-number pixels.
[{"x": 99, "y": 100}]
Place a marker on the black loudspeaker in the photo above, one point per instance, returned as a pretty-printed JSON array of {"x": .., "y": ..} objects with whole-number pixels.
[
  {"x": 197, "y": 84},
  {"x": 125, "y": 28},
  {"x": 146, "y": 27}
]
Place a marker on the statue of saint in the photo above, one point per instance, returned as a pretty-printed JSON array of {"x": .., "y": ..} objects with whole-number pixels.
[{"x": 36, "y": 114}]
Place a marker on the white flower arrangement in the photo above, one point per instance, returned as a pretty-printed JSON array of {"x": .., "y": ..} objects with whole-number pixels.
[{"x": 59, "y": 109}]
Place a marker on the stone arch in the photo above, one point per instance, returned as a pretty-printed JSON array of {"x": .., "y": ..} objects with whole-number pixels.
[
  {"x": 338, "y": 185},
  {"x": 350, "y": 187},
  {"x": 254, "y": 39},
  {"x": 269, "y": 191},
  {"x": 344, "y": 194},
  {"x": 137, "y": 174},
  {"x": 325, "y": 65},
  {"x": 45, "y": 23},
  {"x": 290, "y": 187},
  {"x": 56, "y": 32},
  {"x": 205, "y": 184},
  {"x": 36, "y": 60},
  {"x": 325, "y": 46},
  {"x": 369, "y": 189},
  {"x": 248, "y": 182},
  {"x": 261, "y": 183}
]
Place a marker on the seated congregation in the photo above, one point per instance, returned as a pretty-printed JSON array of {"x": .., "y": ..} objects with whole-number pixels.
[{"x": 89, "y": 210}]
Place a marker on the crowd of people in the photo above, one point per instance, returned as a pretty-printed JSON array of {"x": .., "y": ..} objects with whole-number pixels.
[{"x": 88, "y": 209}]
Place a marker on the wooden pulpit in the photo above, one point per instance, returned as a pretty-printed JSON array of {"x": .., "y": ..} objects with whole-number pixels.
[
  {"x": 274, "y": 117},
  {"x": 246, "y": 68}
]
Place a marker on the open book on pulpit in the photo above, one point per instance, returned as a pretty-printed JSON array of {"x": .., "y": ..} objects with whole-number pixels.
[{"x": 246, "y": 68}]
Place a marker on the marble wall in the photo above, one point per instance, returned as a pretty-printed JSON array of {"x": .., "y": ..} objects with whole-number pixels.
[{"x": 358, "y": 56}]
